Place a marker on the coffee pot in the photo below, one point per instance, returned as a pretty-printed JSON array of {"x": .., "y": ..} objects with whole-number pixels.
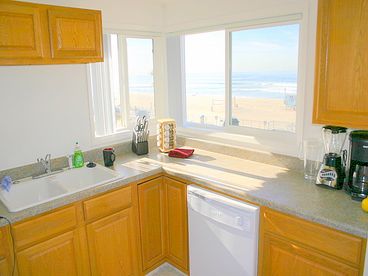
[{"x": 358, "y": 164}]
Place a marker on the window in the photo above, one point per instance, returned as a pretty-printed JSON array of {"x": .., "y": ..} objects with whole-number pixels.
[
  {"x": 205, "y": 78},
  {"x": 260, "y": 91},
  {"x": 122, "y": 87},
  {"x": 140, "y": 71},
  {"x": 264, "y": 66}
]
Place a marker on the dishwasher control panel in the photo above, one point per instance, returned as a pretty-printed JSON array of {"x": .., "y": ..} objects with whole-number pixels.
[{"x": 224, "y": 210}]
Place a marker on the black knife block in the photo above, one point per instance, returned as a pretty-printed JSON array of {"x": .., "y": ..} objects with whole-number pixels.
[{"x": 140, "y": 148}]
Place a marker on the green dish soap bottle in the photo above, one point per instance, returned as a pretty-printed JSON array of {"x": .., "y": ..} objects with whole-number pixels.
[{"x": 78, "y": 159}]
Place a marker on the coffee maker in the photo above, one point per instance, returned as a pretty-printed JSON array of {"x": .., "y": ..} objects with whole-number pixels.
[
  {"x": 358, "y": 161},
  {"x": 332, "y": 170}
]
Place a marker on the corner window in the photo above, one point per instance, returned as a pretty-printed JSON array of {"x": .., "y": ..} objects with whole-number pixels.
[
  {"x": 121, "y": 87},
  {"x": 205, "y": 78},
  {"x": 243, "y": 78}
]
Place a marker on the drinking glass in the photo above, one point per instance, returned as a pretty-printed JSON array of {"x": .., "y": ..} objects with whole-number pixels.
[{"x": 313, "y": 154}]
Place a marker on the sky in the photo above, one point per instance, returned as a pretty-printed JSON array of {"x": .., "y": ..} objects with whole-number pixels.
[
  {"x": 140, "y": 56},
  {"x": 270, "y": 49}
]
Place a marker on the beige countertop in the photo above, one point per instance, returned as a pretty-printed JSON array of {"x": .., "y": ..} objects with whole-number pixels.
[{"x": 276, "y": 187}]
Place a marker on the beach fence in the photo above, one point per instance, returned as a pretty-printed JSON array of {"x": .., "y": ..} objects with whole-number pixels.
[
  {"x": 217, "y": 104},
  {"x": 269, "y": 125}
]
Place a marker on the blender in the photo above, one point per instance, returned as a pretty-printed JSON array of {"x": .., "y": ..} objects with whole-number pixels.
[{"x": 332, "y": 170}]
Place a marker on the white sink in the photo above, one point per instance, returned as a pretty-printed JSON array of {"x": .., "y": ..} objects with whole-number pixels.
[{"x": 32, "y": 192}]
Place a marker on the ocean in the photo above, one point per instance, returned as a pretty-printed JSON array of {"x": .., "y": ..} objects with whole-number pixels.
[{"x": 250, "y": 85}]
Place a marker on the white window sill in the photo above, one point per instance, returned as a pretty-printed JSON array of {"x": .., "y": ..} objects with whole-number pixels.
[{"x": 275, "y": 142}]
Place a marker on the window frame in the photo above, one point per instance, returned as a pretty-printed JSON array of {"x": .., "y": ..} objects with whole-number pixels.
[
  {"x": 126, "y": 133},
  {"x": 217, "y": 133}
]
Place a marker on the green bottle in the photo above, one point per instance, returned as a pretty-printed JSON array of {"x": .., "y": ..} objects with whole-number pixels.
[{"x": 78, "y": 159}]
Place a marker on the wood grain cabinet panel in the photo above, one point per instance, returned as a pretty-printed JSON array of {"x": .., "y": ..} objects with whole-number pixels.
[
  {"x": 6, "y": 257},
  {"x": 112, "y": 245},
  {"x": 108, "y": 203},
  {"x": 20, "y": 32},
  {"x": 32, "y": 33},
  {"x": 45, "y": 226},
  {"x": 59, "y": 256},
  {"x": 322, "y": 238},
  {"x": 151, "y": 197},
  {"x": 294, "y": 246},
  {"x": 284, "y": 258},
  {"x": 341, "y": 77},
  {"x": 177, "y": 222},
  {"x": 75, "y": 33}
]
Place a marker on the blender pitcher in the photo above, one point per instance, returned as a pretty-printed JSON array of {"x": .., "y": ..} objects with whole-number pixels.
[{"x": 332, "y": 170}]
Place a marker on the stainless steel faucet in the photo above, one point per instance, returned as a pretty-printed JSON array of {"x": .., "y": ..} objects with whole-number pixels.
[{"x": 46, "y": 163}]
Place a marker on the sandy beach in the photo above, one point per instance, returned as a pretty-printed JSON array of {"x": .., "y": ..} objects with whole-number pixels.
[{"x": 258, "y": 113}]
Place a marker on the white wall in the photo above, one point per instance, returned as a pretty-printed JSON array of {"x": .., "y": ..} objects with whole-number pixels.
[
  {"x": 145, "y": 15},
  {"x": 44, "y": 109}
]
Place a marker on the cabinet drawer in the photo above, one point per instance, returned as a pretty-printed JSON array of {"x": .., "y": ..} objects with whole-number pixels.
[
  {"x": 322, "y": 238},
  {"x": 108, "y": 203},
  {"x": 45, "y": 226}
]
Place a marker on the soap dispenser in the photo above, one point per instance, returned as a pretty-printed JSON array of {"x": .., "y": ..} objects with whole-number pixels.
[{"x": 78, "y": 159}]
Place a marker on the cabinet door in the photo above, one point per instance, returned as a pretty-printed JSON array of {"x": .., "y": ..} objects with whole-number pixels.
[
  {"x": 75, "y": 34},
  {"x": 112, "y": 245},
  {"x": 151, "y": 197},
  {"x": 58, "y": 256},
  {"x": 6, "y": 257},
  {"x": 341, "y": 79},
  {"x": 177, "y": 222},
  {"x": 20, "y": 32},
  {"x": 284, "y": 258}
]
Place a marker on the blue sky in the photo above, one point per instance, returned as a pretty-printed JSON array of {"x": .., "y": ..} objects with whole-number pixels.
[{"x": 271, "y": 49}]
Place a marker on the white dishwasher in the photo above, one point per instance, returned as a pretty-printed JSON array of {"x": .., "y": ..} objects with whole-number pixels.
[{"x": 223, "y": 235}]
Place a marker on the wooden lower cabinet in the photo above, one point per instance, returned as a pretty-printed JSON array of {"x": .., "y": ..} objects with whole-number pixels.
[
  {"x": 285, "y": 258},
  {"x": 6, "y": 257},
  {"x": 112, "y": 245},
  {"x": 151, "y": 198},
  {"x": 293, "y": 246},
  {"x": 177, "y": 223},
  {"x": 61, "y": 255}
]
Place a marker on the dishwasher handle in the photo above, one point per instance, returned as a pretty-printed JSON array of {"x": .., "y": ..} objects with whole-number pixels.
[{"x": 199, "y": 196}]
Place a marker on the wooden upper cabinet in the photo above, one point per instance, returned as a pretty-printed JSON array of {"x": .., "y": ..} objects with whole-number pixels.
[
  {"x": 341, "y": 78},
  {"x": 75, "y": 33},
  {"x": 20, "y": 32},
  {"x": 42, "y": 34}
]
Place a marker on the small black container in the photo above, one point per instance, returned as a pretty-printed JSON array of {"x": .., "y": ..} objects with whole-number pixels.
[
  {"x": 109, "y": 157},
  {"x": 140, "y": 148}
]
